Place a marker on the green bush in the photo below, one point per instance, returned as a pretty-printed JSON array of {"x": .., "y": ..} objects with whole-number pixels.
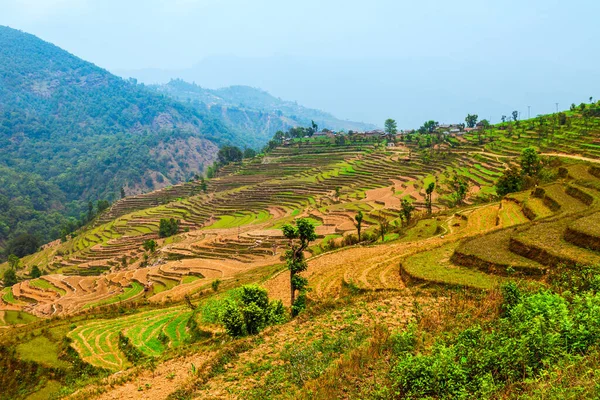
[
  {"x": 168, "y": 227},
  {"x": 252, "y": 313},
  {"x": 233, "y": 319},
  {"x": 10, "y": 277},
  {"x": 255, "y": 318},
  {"x": 536, "y": 331},
  {"x": 35, "y": 272}
]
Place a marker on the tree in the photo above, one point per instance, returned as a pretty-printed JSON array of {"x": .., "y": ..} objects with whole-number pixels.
[
  {"x": 10, "y": 277},
  {"x": 122, "y": 192},
  {"x": 406, "y": 210},
  {"x": 102, "y": 205},
  {"x": 429, "y": 126},
  {"x": 530, "y": 162},
  {"x": 384, "y": 226},
  {"x": 252, "y": 313},
  {"x": 90, "y": 212},
  {"x": 35, "y": 272},
  {"x": 22, "y": 245},
  {"x": 562, "y": 118},
  {"x": 503, "y": 118},
  {"x": 300, "y": 237},
  {"x": 279, "y": 135},
  {"x": 14, "y": 262},
  {"x": 337, "y": 192},
  {"x": 168, "y": 227},
  {"x": 359, "y": 219},
  {"x": 515, "y": 115},
  {"x": 511, "y": 181},
  {"x": 203, "y": 185},
  {"x": 459, "y": 187},
  {"x": 390, "y": 127},
  {"x": 428, "y": 193},
  {"x": 471, "y": 120},
  {"x": 249, "y": 153},
  {"x": 149, "y": 245},
  {"x": 228, "y": 154}
]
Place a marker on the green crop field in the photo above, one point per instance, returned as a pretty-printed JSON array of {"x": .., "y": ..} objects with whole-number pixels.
[
  {"x": 131, "y": 291},
  {"x": 97, "y": 341}
]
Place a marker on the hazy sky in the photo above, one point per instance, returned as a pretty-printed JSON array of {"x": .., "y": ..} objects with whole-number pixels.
[{"x": 358, "y": 59}]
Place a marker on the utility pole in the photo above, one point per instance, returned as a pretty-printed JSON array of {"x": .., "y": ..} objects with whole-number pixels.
[
  {"x": 528, "y": 112},
  {"x": 556, "y": 107}
]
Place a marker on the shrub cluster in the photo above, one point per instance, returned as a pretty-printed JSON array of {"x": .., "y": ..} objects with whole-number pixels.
[
  {"x": 535, "y": 331},
  {"x": 252, "y": 313},
  {"x": 168, "y": 227}
]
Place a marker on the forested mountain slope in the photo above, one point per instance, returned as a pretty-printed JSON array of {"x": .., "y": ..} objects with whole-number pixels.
[
  {"x": 84, "y": 133},
  {"x": 253, "y": 111}
]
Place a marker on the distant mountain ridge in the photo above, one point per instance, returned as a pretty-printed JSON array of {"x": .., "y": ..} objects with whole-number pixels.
[
  {"x": 85, "y": 133},
  {"x": 253, "y": 110}
]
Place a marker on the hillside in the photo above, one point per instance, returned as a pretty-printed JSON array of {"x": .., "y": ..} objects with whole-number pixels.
[
  {"x": 86, "y": 133},
  {"x": 408, "y": 293},
  {"x": 253, "y": 111}
]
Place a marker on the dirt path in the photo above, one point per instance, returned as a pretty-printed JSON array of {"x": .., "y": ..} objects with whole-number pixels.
[
  {"x": 561, "y": 155},
  {"x": 572, "y": 156},
  {"x": 165, "y": 379}
]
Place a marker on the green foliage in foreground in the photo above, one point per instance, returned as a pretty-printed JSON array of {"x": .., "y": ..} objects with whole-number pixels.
[
  {"x": 535, "y": 331},
  {"x": 252, "y": 313}
]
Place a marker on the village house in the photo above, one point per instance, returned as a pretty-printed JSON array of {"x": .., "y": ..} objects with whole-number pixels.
[{"x": 324, "y": 134}]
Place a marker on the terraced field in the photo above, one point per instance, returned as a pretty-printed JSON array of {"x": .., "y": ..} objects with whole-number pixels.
[
  {"x": 232, "y": 234},
  {"x": 98, "y": 341}
]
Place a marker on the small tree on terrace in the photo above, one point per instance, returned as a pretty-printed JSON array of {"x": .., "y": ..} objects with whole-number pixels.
[
  {"x": 14, "y": 262},
  {"x": 149, "y": 245},
  {"x": 203, "y": 185},
  {"x": 300, "y": 237},
  {"x": 168, "y": 227},
  {"x": 471, "y": 120},
  {"x": 337, "y": 192},
  {"x": 515, "y": 115},
  {"x": 384, "y": 226},
  {"x": 511, "y": 181},
  {"x": 530, "y": 162},
  {"x": 428, "y": 193},
  {"x": 229, "y": 154},
  {"x": 35, "y": 272},
  {"x": 390, "y": 127},
  {"x": 249, "y": 153},
  {"x": 359, "y": 218},
  {"x": 10, "y": 277},
  {"x": 459, "y": 187},
  {"x": 406, "y": 210}
]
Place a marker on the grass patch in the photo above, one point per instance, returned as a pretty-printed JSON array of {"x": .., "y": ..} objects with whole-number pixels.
[
  {"x": 45, "y": 285},
  {"x": 12, "y": 317},
  {"x": 43, "y": 350},
  {"x": 435, "y": 266},
  {"x": 131, "y": 291}
]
